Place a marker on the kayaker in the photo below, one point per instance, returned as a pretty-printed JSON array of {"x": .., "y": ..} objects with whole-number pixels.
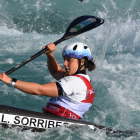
[{"x": 72, "y": 94}]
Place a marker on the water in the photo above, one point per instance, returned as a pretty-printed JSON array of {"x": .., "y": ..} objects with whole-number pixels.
[{"x": 27, "y": 25}]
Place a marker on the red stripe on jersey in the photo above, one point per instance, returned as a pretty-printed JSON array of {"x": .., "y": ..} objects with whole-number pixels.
[{"x": 90, "y": 91}]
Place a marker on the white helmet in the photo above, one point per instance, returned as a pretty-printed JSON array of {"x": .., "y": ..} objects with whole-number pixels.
[{"x": 77, "y": 50}]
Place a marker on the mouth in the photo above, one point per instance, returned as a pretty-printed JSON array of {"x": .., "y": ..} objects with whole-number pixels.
[{"x": 66, "y": 69}]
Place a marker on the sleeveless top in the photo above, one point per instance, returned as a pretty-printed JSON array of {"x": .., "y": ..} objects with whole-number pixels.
[{"x": 78, "y": 96}]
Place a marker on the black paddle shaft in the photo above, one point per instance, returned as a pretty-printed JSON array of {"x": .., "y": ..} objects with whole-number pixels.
[{"x": 78, "y": 26}]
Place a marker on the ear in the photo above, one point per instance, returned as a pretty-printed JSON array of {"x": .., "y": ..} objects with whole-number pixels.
[{"x": 82, "y": 61}]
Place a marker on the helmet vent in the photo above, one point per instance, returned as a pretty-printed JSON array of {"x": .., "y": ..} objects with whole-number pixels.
[
  {"x": 75, "y": 47},
  {"x": 85, "y": 47}
]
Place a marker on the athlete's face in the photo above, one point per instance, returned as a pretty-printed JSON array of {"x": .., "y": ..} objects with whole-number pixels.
[{"x": 71, "y": 65}]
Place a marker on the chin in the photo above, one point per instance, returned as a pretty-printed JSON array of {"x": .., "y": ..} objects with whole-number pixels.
[{"x": 69, "y": 74}]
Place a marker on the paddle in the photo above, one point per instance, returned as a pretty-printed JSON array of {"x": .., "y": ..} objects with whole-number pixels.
[{"x": 78, "y": 26}]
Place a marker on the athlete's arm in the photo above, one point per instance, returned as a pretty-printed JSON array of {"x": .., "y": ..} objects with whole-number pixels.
[
  {"x": 55, "y": 69},
  {"x": 50, "y": 89}
]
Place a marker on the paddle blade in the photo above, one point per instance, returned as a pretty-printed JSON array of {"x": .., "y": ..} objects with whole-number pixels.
[{"x": 81, "y": 25}]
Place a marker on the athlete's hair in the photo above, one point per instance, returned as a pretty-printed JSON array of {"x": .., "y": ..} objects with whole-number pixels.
[{"x": 89, "y": 64}]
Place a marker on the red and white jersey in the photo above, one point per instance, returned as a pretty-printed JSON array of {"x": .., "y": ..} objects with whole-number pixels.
[{"x": 78, "y": 96}]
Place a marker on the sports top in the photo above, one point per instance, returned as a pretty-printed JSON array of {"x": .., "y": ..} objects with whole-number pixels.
[{"x": 78, "y": 96}]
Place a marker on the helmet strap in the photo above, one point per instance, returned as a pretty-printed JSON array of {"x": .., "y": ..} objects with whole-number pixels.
[{"x": 79, "y": 68}]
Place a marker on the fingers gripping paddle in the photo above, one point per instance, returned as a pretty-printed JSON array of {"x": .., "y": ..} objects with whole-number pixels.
[{"x": 78, "y": 26}]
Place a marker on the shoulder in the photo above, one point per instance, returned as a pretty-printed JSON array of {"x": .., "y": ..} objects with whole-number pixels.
[
  {"x": 74, "y": 78},
  {"x": 68, "y": 79},
  {"x": 71, "y": 82},
  {"x": 85, "y": 76}
]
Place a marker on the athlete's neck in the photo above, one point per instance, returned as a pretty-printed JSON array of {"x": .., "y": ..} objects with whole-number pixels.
[{"x": 80, "y": 72}]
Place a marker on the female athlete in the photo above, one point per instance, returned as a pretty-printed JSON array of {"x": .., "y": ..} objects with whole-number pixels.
[{"x": 72, "y": 94}]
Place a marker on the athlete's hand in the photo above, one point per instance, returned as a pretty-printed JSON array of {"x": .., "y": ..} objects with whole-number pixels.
[
  {"x": 51, "y": 48},
  {"x": 6, "y": 79}
]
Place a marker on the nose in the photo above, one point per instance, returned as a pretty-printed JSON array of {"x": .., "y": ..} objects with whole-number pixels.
[{"x": 65, "y": 63}]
